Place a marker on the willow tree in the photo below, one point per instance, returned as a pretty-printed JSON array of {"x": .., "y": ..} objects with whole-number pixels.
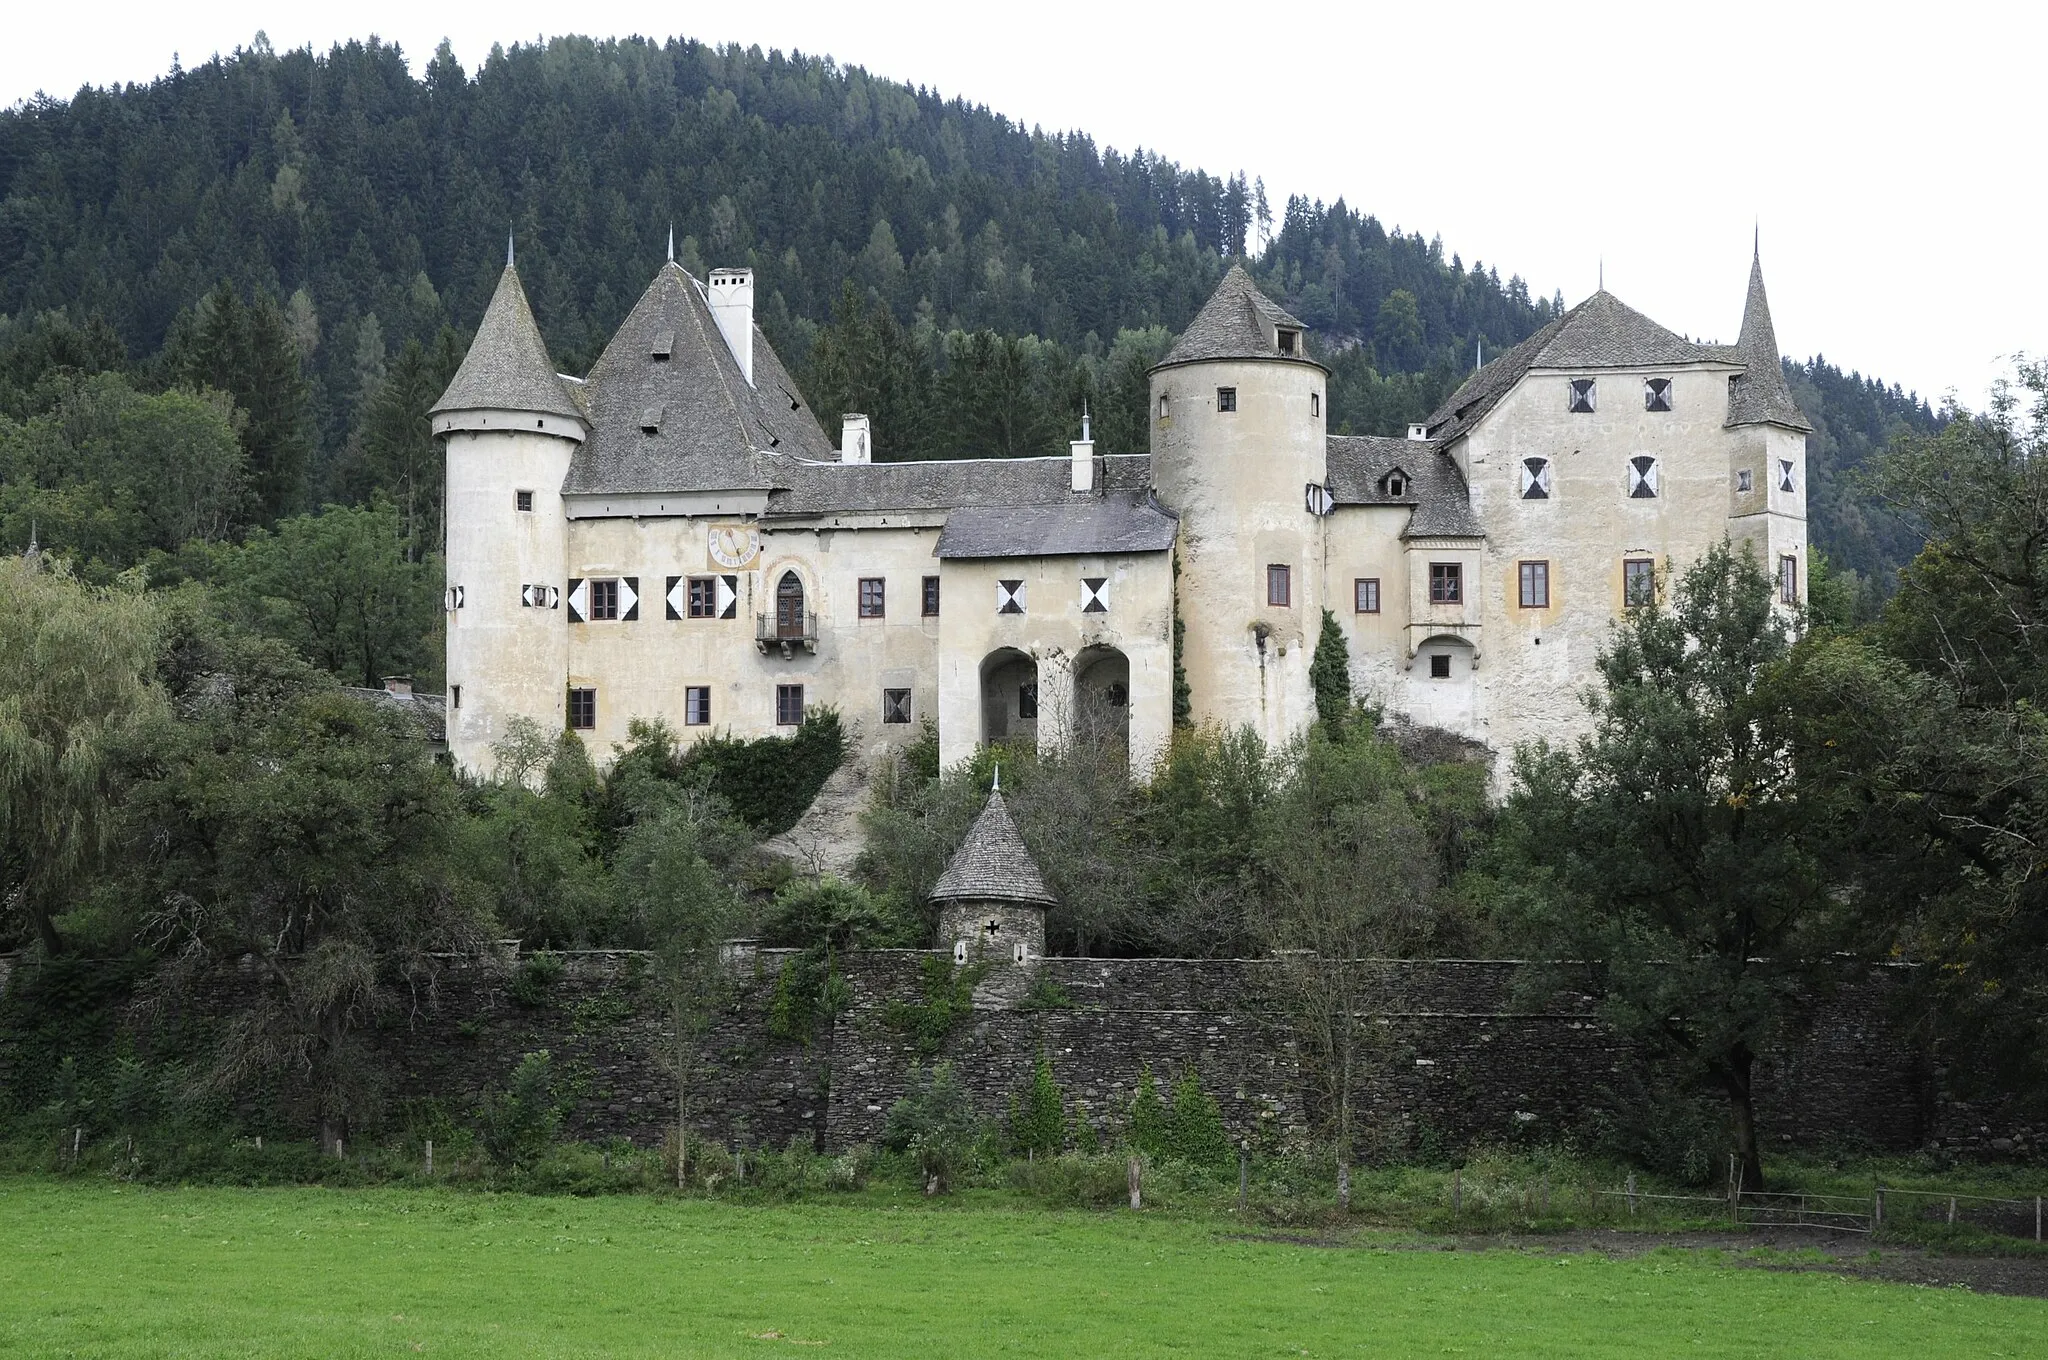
[{"x": 76, "y": 686}]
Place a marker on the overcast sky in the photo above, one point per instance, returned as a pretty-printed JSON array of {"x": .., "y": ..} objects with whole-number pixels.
[{"x": 1890, "y": 154}]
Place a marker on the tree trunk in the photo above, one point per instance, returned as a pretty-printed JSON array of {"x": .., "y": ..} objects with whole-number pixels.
[
  {"x": 682, "y": 1142},
  {"x": 1344, "y": 1180},
  {"x": 46, "y": 926},
  {"x": 1736, "y": 1079}
]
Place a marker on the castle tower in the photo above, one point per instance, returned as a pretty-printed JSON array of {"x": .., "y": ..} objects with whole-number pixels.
[
  {"x": 991, "y": 899},
  {"x": 510, "y": 426},
  {"x": 1767, "y": 451},
  {"x": 1238, "y": 441}
]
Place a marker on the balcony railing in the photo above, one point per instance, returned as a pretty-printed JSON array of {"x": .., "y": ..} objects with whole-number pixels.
[{"x": 784, "y": 633}]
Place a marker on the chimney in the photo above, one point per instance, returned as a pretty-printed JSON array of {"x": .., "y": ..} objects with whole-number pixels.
[
  {"x": 1084, "y": 457},
  {"x": 398, "y": 684},
  {"x": 854, "y": 446},
  {"x": 732, "y": 307},
  {"x": 1418, "y": 432}
]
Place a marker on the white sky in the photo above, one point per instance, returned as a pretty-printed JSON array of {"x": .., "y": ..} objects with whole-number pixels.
[{"x": 1890, "y": 153}]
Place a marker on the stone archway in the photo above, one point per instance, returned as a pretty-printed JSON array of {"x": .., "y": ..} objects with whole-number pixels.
[
  {"x": 1102, "y": 697},
  {"x": 1009, "y": 696}
]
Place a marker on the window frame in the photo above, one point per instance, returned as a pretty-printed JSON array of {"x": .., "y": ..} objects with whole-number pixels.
[
  {"x": 582, "y": 708},
  {"x": 784, "y": 694},
  {"x": 1653, "y": 394},
  {"x": 1644, "y": 568},
  {"x": 1447, "y": 583},
  {"x": 1360, "y": 586},
  {"x": 873, "y": 597},
  {"x": 894, "y": 713},
  {"x": 1315, "y": 405},
  {"x": 1027, "y": 701},
  {"x": 702, "y": 599},
  {"x": 1226, "y": 401},
  {"x": 1280, "y": 574},
  {"x": 1646, "y": 483},
  {"x": 1788, "y": 578},
  {"x": 1582, "y": 397},
  {"x": 928, "y": 602},
  {"x": 1532, "y": 582},
  {"x": 693, "y": 714},
  {"x": 522, "y": 501},
  {"x": 1440, "y": 665},
  {"x": 1745, "y": 481},
  {"x": 605, "y": 589},
  {"x": 1538, "y": 479}
]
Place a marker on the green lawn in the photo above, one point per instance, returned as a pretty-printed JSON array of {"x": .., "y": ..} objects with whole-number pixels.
[{"x": 88, "y": 1268}]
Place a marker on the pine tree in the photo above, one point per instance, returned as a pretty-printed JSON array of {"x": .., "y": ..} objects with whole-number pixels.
[
  {"x": 246, "y": 350},
  {"x": 1329, "y": 675},
  {"x": 1148, "y": 1116}
]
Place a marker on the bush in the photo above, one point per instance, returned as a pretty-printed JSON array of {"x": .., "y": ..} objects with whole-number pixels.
[
  {"x": 935, "y": 1122},
  {"x": 947, "y": 1001},
  {"x": 523, "y": 1119},
  {"x": 1194, "y": 1126},
  {"x": 532, "y": 980},
  {"x": 771, "y": 780},
  {"x": 1148, "y": 1116},
  {"x": 1038, "y": 1117}
]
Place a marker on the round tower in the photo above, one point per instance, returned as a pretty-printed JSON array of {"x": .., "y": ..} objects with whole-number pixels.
[
  {"x": 510, "y": 428},
  {"x": 992, "y": 899},
  {"x": 1239, "y": 452}
]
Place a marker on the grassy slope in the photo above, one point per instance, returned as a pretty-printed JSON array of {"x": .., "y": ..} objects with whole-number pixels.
[{"x": 91, "y": 1269}]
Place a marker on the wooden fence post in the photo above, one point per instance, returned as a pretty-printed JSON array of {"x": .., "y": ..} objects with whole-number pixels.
[
  {"x": 1244, "y": 1172},
  {"x": 1631, "y": 1194},
  {"x": 1951, "y": 1210},
  {"x": 1877, "y": 1208},
  {"x": 2037, "y": 1218},
  {"x": 1132, "y": 1174},
  {"x": 430, "y": 1156},
  {"x": 1546, "y": 1194}
]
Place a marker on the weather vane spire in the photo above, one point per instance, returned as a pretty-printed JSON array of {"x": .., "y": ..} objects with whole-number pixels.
[
  {"x": 508, "y": 245},
  {"x": 671, "y": 243}
]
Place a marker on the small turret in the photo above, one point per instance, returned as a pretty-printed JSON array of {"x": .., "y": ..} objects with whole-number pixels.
[
  {"x": 992, "y": 899},
  {"x": 1759, "y": 396}
]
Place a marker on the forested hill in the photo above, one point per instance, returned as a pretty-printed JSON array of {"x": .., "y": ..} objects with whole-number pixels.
[{"x": 998, "y": 275}]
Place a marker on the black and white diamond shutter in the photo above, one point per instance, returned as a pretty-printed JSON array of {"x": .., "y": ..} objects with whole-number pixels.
[
  {"x": 579, "y": 600},
  {"x": 1642, "y": 477},
  {"x": 728, "y": 592},
  {"x": 1535, "y": 479},
  {"x": 1094, "y": 594},
  {"x": 526, "y": 597},
  {"x": 1785, "y": 482},
  {"x": 676, "y": 594},
  {"x": 629, "y": 599},
  {"x": 1009, "y": 597}
]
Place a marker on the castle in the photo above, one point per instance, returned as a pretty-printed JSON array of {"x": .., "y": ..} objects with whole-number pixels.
[{"x": 674, "y": 536}]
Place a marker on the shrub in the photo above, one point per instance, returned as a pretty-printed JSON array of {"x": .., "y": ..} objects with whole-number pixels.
[
  {"x": 534, "y": 977},
  {"x": 522, "y": 1119},
  {"x": 1038, "y": 1119},
  {"x": 947, "y": 1001},
  {"x": 809, "y": 990},
  {"x": 771, "y": 780},
  {"x": 1194, "y": 1126},
  {"x": 935, "y": 1122},
  {"x": 1148, "y": 1116}
]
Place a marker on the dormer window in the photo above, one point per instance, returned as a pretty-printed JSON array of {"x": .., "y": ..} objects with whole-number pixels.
[
  {"x": 1656, "y": 394},
  {"x": 1290, "y": 341},
  {"x": 1581, "y": 397},
  {"x": 650, "y": 420},
  {"x": 1395, "y": 484},
  {"x": 663, "y": 346}
]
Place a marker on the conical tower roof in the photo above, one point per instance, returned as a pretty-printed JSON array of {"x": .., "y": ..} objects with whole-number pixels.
[
  {"x": 1237, "y": 322},
  {"x": 992, "y": 863},
  {"x": 1759, "y": 396},
  {"x": 507, "y": 367}
]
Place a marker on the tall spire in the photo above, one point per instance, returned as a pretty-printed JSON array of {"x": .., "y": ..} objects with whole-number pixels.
[
  {"x": 1760, "y": 396},
  {"x": 508, "y": 245},
  {"x": 671, "y": 243},
  {"x": 507, "y": 367}
]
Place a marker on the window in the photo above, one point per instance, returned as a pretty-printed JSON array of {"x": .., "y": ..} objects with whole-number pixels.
[
  {"x": 604, "y": 600},
  {"x": 455, "y": 696},
  {"x": 1289, "y": 341},
  {"x": 1656, "y": 394},
  {"x": 1582, "y": 397},
  {"x": 1118, "y": 695},
  {"x": 871, "y": 597},
  {"x": 1315, "y": 403},
  {"x": 790, "y": 616},
  {"x": 789, "y": 705},
  {"x": 1743, "y": 482},
  {"x": 1440, "y": 666},
  {"x": 1446, "y": 583},
  {"x": 931, "y": 597},
  {"x": 1027, "y": 699},
  {"x": 1396, "y": 484},
  {"x": 1785, "y": 482},
  {"x": 1642, "y": 478},
  {"x": 1788, "y": 579},
  {"x": 582, "y": 709},
  {"x": 895, "y": 705},
  {"x": 1365, "y": 595},
  {"x": 1009, "y": 597},
  {"x": 1535, "y": 584},
  {"x": 524, "y": 500},
  {"x": 697, "y": 706},
  {"x": 1638, "y": 582},
  {"x": 1535, "y": 479},
  {"x": 1226, "y": 398},
  {"x": 1279, "y": 585},
  {"x": 1162, "y": 406},
  {"x": 1094, "y": 594},
  {"x": 703, "y": 597}
]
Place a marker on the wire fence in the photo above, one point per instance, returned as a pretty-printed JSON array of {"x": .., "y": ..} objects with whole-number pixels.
[{"x": 1883, "y": 1208}]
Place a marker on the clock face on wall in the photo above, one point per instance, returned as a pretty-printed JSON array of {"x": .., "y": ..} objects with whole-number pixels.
[{"x": 734, "y": 546}]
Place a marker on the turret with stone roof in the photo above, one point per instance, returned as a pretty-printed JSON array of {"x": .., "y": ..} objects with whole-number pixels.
[
  {"x": 992, "y": 900},
  {"x": 512, "y": 426},
  {"x": 1767, "y": 457},
  {"x": 1239, "y": 438}
]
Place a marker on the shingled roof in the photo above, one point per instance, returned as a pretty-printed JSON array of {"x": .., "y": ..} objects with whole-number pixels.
[
  {"x": 1235, "y": 323},
  {"x": 1760, "y": 396},
  {"x": 1121, "y": 522},
  {"x": 507, "y": 367},
  {"x": 992, "y": 864},
  {"x": 689, "y": 421},
  {"x": 1601, "y": 332},
  {"x": 807, "y": 489},
  {"x": 1358, "y": 475}
]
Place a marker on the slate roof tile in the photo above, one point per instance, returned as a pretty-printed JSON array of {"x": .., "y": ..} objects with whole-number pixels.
[
  {"x": 507, "y": 367},
  {"x": 1233, "y": 325},
  {"x": 1358, "y": 468},
  {"x": 993, "y": 864}
]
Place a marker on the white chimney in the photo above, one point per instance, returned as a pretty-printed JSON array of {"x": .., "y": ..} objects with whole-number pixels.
[
  {"x": 854, "y": 446},
  {"x": 732, "y": 307},
  {"x": 1418, "y": 432},
  {"x": 1084, "y": 457}
]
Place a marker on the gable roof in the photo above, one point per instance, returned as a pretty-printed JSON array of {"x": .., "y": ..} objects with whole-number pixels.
[
  {"x": 1232, "y": 325},
  {"x": 993, "y": 864},
  {"x": 1760, "y": 396},
  {"x": 804, "y": 488},
  {"x": 1121, "y": 522},
  {"x": 1601, "y": 332},
  {"x": 708, "y": 426},
  {"x": 507, "y": 367},
  {"x": 1358, "y": 468}
]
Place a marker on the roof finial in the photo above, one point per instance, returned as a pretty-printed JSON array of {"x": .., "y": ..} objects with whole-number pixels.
[
  {"x": 671, "y": 243},
  {"x": 1756, "y": 240},
  {"x": 997, "y": 786},
  {"x": 1084, "y": 421},
  {"x": 1603, "y": 273},
  {"x": 508, "y": 245}
]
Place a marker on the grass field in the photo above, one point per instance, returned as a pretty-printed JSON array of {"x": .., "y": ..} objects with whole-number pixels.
[{"x": 92, "y": 1269}]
